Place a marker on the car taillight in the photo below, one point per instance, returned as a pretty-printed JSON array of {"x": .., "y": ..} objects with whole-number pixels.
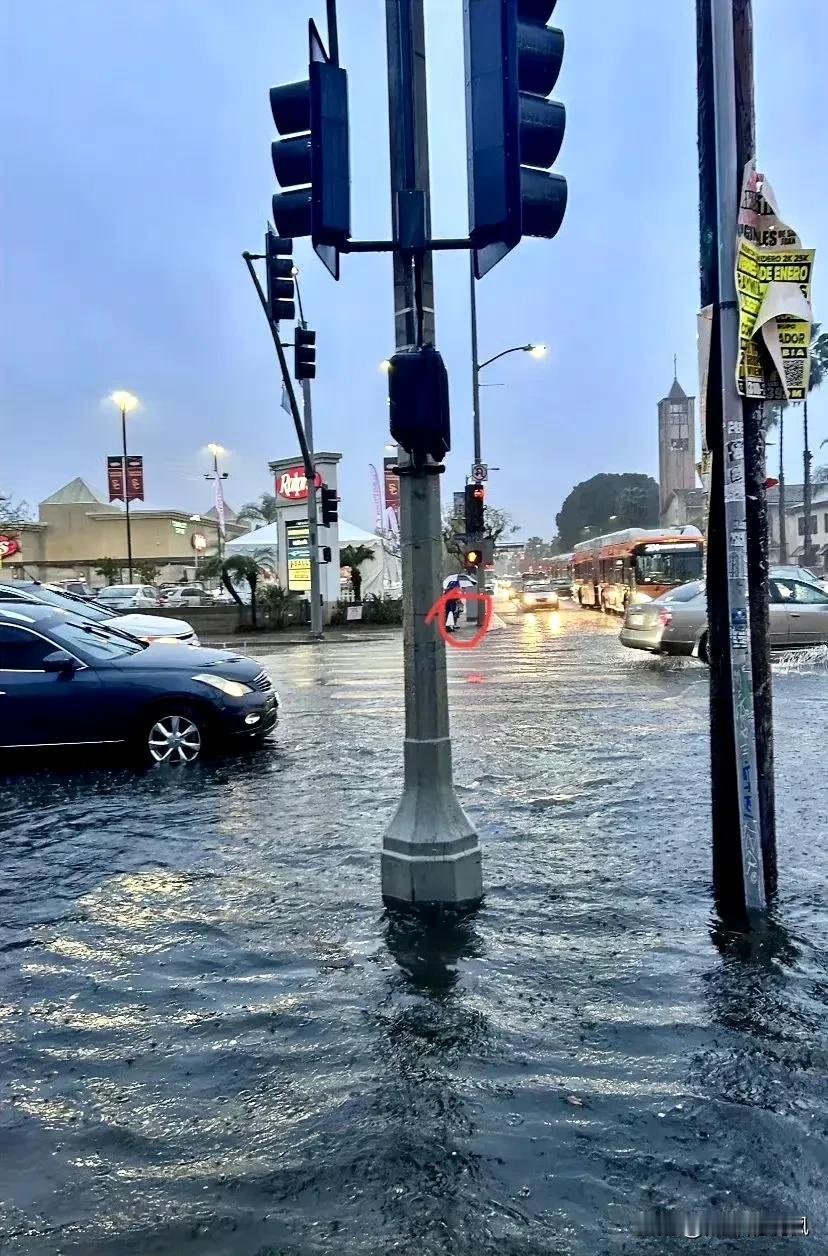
[{"x": 665, "y": 618}]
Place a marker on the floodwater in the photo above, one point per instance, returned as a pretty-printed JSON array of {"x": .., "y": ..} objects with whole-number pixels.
[{"x": 214, "y": 1041}]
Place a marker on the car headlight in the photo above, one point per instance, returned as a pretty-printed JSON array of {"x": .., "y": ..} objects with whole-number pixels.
[{"x": 233, "y": 688}]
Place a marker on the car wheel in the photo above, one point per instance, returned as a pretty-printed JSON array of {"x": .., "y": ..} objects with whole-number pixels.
[
  {"x": 174, "y": 735},
  {"x": 704, "y": 653}
]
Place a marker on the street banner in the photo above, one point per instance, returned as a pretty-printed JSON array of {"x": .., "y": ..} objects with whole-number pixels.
[
  {"x": 392, "y": 495},
  {"x": 773, "y": 281},
  {"x": 460, "y": 504},
  {"x": 220, "y": 507},
  {"x": 377, "y": 499},
  {"x": 115, "y": 477},
  {"x": 297, "y": 540},
  {"x": 135, "y": 478}
]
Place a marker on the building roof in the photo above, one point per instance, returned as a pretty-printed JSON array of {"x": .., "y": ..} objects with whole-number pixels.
[
  {"x": 349, "y": 534},
  {"x": 676, "y": 393},
  {"x": 229, "y": 513},
  {"x": 76, "y": 493}
]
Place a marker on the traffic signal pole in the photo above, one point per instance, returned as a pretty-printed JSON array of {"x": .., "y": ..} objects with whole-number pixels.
[
  {"x": 431, "y": 853},
  {"x": 476, "y": 609},
  {"x": 313, "y": 521}
]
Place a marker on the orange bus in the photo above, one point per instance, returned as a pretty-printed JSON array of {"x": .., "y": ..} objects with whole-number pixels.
[{"x": 635, "y": 565}]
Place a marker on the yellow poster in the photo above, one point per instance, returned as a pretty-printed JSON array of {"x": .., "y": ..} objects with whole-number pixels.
[{"x": 773, "y": 282}]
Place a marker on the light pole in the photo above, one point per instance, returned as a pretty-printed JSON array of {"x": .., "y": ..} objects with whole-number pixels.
[
  {"x": 218, "y": 477},
  {"x": 125, "y": 401},
  {"x": 537, "y": 351}
]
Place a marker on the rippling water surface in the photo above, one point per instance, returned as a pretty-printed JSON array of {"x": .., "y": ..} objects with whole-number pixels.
[{"x": 212, "y": 1040}]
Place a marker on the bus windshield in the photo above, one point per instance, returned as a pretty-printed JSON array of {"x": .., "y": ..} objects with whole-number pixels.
[{"x": 668, "y": 564}]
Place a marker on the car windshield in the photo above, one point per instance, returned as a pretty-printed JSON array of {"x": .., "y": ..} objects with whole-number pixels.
[
  {"x": 668, "y": 564},
  {"x": 92, "y": 642},
  {"x": 53, "y": 596}
]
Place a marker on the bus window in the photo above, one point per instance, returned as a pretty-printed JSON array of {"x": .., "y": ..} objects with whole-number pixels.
[{"x": 668, "y": 564}]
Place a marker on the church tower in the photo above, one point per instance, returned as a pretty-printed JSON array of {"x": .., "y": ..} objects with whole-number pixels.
[{"x": 676, "y": 446}]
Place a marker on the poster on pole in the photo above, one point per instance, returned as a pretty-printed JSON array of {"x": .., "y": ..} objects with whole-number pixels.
[
  {"x": 297, "y": 543},
  {"x": 115, "y": 477},
  {"x": 135, "y": 478},
  {"x": 773, "y": 282},
  {"x": 392, "y": 495}
]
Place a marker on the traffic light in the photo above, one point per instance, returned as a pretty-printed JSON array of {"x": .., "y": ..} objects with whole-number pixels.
[
  {"x": 312, "y": 162},
  {"x": 472, "y": 557},
  {"x": 514, "y": 132},
  {"x": 330, "y": 506},
  {"x": 418, "y": 399},
  {"x": 280, "y": 282},
  {"x": 326, "y": 554},
  {"x": 475, "y": 498},
  {"x": 304, "y": 353}
]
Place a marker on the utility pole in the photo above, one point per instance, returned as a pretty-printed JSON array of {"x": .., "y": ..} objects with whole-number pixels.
[
  {"x": 313, "y": 520},
  {"x": 218, "y": 477},
  {"x": 431, "y": 853},
  {"x": 741, "y": 837}
]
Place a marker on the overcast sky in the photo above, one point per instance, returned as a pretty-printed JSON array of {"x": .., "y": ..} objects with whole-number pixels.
[{"x": 135, "y": 168}]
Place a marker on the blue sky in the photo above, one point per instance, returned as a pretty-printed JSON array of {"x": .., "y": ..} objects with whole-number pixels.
[{"x": 135, "y": 168}]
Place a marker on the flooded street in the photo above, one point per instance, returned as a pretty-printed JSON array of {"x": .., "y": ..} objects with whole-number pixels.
[{"x": 214, "y": 1041}]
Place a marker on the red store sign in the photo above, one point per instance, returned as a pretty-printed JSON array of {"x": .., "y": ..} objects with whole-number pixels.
[{"x": 292, "y": 485}]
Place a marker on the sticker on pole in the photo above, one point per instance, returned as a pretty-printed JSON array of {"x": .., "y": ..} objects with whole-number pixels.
[{"x": 440, "y": 611}]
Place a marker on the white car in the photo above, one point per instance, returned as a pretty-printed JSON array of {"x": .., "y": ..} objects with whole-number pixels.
[
  {"x": 129, "y": 596},
  {"x": 189, "y": 595},
  {"x": 144, "y": 627}
]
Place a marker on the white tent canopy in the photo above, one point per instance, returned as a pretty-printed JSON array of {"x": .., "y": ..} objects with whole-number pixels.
[{"x": 381, "y": 573}]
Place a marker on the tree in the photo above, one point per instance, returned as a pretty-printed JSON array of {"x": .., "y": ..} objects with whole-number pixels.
[
  {"x": 13, "y": 515},
  {"x": 243, "y": 567},
  {"x": 352, "y": 557},
  {"x": 819, "y": 369},
  {"x": 147, "y": 571},
  {"x": 261, "y": 512},
  {"x": 607, "y": 503},
  {"x": 496, "y": 523},
  {"x": 110, "y": 569},
  {"x": 281, "y": 604}
]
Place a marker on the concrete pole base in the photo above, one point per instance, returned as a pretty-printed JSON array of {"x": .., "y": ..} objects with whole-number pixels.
[{"x": 431, "y": 857}]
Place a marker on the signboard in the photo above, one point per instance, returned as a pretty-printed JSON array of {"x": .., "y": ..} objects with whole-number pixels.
[
  {"x": 460, "y": 503},
  {"x": 9, "y": 546},
  {"x": 297, "y": 541},
  {"x": 392, "y": 494},
  {"x": 292, "y": 485},
  {"x": 179, "y": 528},
  {"x": 135, "y": 478},
  {"x": 199, "y": 542},
  {"x": 115, "y": 477},
  {"x": 773, "y": 281},
  {"x": 480, "y": 472}
]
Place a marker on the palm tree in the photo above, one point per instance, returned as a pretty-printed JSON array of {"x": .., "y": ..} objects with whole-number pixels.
[
  {"x": 353, "y": 556},
  {"x": 819, "y": 369},
  {"x": 261, "y": 512},
  {"x": 243, "y": 567}
]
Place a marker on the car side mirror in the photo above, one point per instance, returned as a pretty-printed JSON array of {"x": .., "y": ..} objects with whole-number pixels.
[{"x": 60, "y": 662}]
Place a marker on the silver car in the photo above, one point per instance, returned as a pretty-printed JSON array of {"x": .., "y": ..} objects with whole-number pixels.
[{"x": 677, "y": 622}]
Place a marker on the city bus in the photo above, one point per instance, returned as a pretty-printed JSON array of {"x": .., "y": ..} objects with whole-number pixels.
[{"x": 635, "y": 565}]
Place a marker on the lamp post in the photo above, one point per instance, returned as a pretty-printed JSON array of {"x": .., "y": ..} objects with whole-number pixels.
[
  {"x": 537, "y": 351},
  {"x": 125, "y": 401},
  {"x": 218, "y": 477}
]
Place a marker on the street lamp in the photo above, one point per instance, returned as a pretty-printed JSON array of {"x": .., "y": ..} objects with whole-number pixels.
[
  {"x": 536, "y": 350},
  {"x": 125, "y": 401},
  {"x": 385, "y": 365},
  {"x": 218, "y": 451}
]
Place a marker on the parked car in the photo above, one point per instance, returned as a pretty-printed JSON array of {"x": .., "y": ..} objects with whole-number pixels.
[
  {"x": 142, "y": 627},
  {"x": 539, "y": 595},
  {"x": 677, "y": 622},
  {"x": 79, "y": 587},
  {"x": 66, "y": 682},
  {"x": 189, "y": 595},
  {"x": 130, "y": 596}
]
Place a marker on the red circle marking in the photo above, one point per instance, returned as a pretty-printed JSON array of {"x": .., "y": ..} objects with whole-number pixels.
[{"x": 438, "y": 611}]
